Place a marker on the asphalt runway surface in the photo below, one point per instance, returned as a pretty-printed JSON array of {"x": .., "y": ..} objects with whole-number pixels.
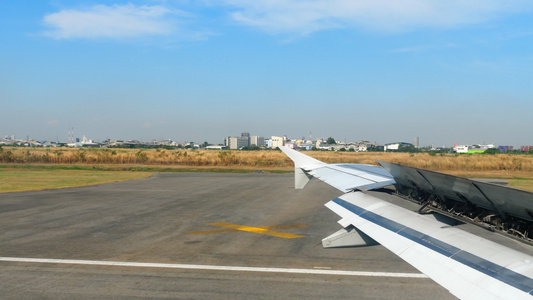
[{"x": 191, "y": 236}]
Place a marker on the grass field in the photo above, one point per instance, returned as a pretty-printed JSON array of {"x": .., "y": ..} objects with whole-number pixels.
[
  {"x": 24, "y": 179},
  {"x": 266, "y": 159},
  {"x": 44, "y": 168}
]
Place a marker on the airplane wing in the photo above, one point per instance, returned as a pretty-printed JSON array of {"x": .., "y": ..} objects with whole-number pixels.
[
  {"x": 345, "y": 177},
  {"x": 468, "y": 265}
]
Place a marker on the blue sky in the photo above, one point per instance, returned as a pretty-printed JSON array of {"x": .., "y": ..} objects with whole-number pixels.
[{"x": 384, "y": 70}]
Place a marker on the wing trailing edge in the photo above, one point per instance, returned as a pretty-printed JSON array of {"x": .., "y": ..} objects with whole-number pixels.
[{"x": 344, "y": 177}]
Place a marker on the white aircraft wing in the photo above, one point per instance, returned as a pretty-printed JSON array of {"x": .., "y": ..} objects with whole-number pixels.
[
  {"x": 469, "y": 266},
  {"x": 344, "y": 177}
]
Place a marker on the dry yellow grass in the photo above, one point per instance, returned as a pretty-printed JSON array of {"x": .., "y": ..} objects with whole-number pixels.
[
  {"x": 449, "y": 163},
  {"x": 446, "y": 162},
  {"x": 519, "y": 168},
  {"x": 260, "y": 159}
]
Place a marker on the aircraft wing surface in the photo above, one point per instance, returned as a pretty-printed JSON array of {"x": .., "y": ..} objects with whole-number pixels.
[
  {"x": 469, "y": 266},
  {"x": 344, "y": 177}
]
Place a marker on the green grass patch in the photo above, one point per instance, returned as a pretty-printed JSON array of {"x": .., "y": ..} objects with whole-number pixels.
[
  {"x": 522, "y": 183},
  {"x": 34, "y": 177},
  {"x": 27, "y": 179},
  {"x": 153, "y": 169}
]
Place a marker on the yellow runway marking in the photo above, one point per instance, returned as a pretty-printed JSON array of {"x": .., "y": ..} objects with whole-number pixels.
[{"x": 261, "y": 230}]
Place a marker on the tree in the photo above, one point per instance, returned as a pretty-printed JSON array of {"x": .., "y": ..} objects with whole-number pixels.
[
  {"x": 491, "y": 151},
  {"x": 251, "y": 148},
  {"x": 374, "y": 148},
  {"x": 331, "y": 141},
  {"x": 408, "y": 148}
]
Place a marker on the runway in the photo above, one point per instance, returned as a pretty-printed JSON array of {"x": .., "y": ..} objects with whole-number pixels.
[{"x": 191, "y": 236}]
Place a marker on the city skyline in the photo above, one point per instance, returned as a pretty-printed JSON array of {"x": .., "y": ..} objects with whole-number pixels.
[
  {"x": 384, "y": 71},
  {"x": 72, "y": 137}
]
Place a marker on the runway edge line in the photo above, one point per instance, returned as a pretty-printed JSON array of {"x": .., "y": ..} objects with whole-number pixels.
[{"x": 209, "y": 267}]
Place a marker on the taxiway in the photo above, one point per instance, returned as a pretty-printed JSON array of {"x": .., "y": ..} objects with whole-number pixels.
[{"x": 168, "y": 237}]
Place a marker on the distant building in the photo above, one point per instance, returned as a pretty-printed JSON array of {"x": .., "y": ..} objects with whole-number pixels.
[
  {"x": 472, "y": 148},
  {"x": 277, "y": 141},
  {"x": 291, "y": 145},
  {"x": 325, "y": 147},
  {"x": 525, "y": 148},
  {"x": 306, "y": 146},
  {"x": 215, "y": 147},
  {"x": 505, "y": 149},
  {"x": 362, "y": 146},
  {"x": 258, "y": 141},
  {"x": 318, "y": 143},
  {"x": 238, "y": 142},
  {"x": 321, "y": 145},
  {"x": 169, "y": 143},
  {"x": 461, "y": 148},
  {"x": 85, "y": 142},
  {"x": 396, "y": 146}
]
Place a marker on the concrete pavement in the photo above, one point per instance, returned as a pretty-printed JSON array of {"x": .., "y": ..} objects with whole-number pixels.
[{"x": 178, "y": 218}]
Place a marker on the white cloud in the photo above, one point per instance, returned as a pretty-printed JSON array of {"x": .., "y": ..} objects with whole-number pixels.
[
  {"x": 116, "y": 21},
  {"x": 306, "y": 16}
]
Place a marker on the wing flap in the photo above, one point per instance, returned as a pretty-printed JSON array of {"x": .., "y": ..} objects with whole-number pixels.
[{"x": 500, "y": 199}]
